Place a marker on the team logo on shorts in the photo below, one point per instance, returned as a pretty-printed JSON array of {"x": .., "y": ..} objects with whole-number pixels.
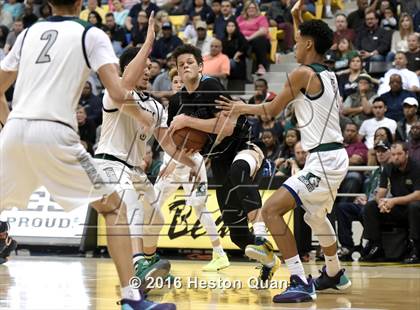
[
  {"x": 310, "y": 180},
  {"x": 201, "y": 189}
]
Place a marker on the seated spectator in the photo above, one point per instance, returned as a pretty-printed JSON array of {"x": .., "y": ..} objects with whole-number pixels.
[
  {"x": 347, "y": 79},
  {"x": 347, "y": 212},
  {"x": 95, "y": 19},
  {"x": 12, "y": 36},
  {"x": 203, "y": 40},
  {"x": 87, "y": 129},
  {"x": 190, "y": 31},
  {"x": 115, "y": 45},
  {"x": 410, "y": 107},
  {"x": 388, "y": 20},
  {"x": 92, "y": 6},
  {"x": 356, "y": 19},
  {"x": 200, "y": 7},
  {"x": 6, "y": 18},
  {"x": 381, "y": 134},
  {"x": 235, "y": 47},
  {"x": 216, "y": 8},
  {"x": 254, "y": 27},
  {"x": 399, "y": 42},
  {"x": 166, "y": 44},
  {"x": 287, "y": 149},
  {"x": 216, "y": 64},
  {"x": 414, "y": 142},
  {"x": 177, "y": 7},
  {"x": 143, "y": 5},
  {"x": 342, "y": 31},
  {"x": 120, "y": 13},
  {"x": 261, "y": 89},
  {"x": 343, "y": 54},
  {"x": 45, "y": 11},
  {"x": 176, "y": 86},
  {"x": 162, "y": 84},
  {"x": 263, "y": 122},
  {"x": 155, "y": 70},
  {"x": 4, "y": 31},
  {"x": 403, "y": 208},
  {"x": 369, "y": 126},
  {"x": 13, "y": 7},
  {"x": 295, "y": 164},
  {"x": 395, "y": 97},
  {"x": 92, "y": 104},
  {"x": 271, "y": 145},
  {"x": 139, "y": 30},
  {"x": 410, "y": 80},
  {"x": 372, "y": 41},
  {"x": 28, "y": 17},
  {"x": 280, "y": 16},
  {"x": 117, "y": 32},
  {"x": 150, "y": 164},
  {"x": 413, "y": 53},
  {"x": 358, "y": 106},
  {"x": 222, "y": 20}
]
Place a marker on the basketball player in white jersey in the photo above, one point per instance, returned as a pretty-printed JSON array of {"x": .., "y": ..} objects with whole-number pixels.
[
  {"x": 121, "y": 148},
  {"x": 39, "y": 144},
  {"x": 313, "y": 91},
  {"x": 173, "y": 175}
]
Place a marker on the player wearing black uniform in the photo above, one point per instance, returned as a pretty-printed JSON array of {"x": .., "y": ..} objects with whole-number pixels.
[{"x": 235, "y": 161}]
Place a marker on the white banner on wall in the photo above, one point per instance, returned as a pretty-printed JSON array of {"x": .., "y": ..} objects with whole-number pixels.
[{"x": 44, "y": 222}]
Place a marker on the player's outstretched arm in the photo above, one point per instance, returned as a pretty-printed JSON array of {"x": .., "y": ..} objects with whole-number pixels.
[
  {"x": 135, "y": 68},
  {"x": 297, "y": 16},
  {"x": 7, "y": 78},
  {"x": 296, "y": 81}
]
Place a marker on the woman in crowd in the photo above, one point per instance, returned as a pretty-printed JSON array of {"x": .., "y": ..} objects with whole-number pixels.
[
  {"x": 344, "y": 53},
  {"x": 400, "y": 37},
  {"x": 138, "y": 33},
  {"x": 287, "y": 149},
  {"x": 347, "y": 78},
  {"x": 120, "y": 13},
  {"x": 384, "y": 134},
  {"x": 95, "y": 19}
]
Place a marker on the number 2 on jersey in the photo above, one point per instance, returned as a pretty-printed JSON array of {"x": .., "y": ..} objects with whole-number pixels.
[{"x": 50, "y": 36}]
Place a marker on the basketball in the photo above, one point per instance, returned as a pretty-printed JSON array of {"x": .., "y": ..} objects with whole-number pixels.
[{"x": 189, "y": 138}]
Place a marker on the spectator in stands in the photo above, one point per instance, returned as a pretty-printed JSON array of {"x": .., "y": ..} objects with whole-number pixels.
[
  {"x": 356, "y": 19},
  {"x": 87, "y": 129},
  {"x": 342, "y": 31},
  {"x": 28, "y": 17},
  {"x": 201, "y": 7},
  {"x": 11, "y": 37},
  {"x": 261, "y": 89},
  {"x": 410, "y": 107},
  {"x": 368, "y": 127},
  {"x": 287, "y": 151},
  {"x": 14, "y": 7},
  {"x": 254, "y": 27},
  {"x": 117, "y": 32},
  {"x": 162, "y": 84},
  {"x": 216, "y": 64},
  {"x": 271, "y": 145},
  {"x": 414, "y": 142},
  {"x": 177, "y": 7},
  {"x": 413, "y": 53},
  {"x": 92, "y": 6},
  {"x": 6, "y": 18},
  {"x": 155, "y": 70},
  {"x": 235, "y": 47},
  {"x": 261, "y": 123},
  {"x": 395, "y": 97},
  {"x": 120, "y": 13},
  {"x": 404, "y": 206},
  {"x": 143, "y": 5},
  {"x": 222, "y": 20},
  {"x": 388, "y": 20},
  {"x": 95, "y": 19},
  {"x": 45, "y": 11},
  {"x": 399, "y": 42},
  {"x": 203, "y": 40},
  {"x": 416, "y": 20},
  {"x": 190, "y": 31},
  {"x": 358, "y": 106},
  {"x": 115, "y": 44},
  {"x": 4, "y": 31},
  {"x": 166, "y": 44},
  {"x": 410, "y": 80},
  {"x": 150, "y": 164},
  {"x": 139, "y": 30},
  {"x": 347, "y": 212},
  {"x": 91, "y": 103},
  {"x": 343, "y": 54},
  {"x": 372, "y": 41},
  {"x": 381, "y": 134},
  {"x": 216, "y": 7},
  {"x": 280, "y": 16},
  {"x": 347, "y": 79}
]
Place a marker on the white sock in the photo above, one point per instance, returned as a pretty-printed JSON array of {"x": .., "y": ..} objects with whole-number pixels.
[
  {"x": 219, "y": 250},
  {"x": 137, "y": 257},
  {"x": 259, "y": 229},
  {"x": 130, "y": 293},
  {"x": 333, "y": 265},
  {"x": 296, "y": 268}
]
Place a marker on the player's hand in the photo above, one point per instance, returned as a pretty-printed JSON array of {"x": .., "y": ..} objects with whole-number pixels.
[
  {"x": 180, "y": 121},
  {"x": 150, "y": 37},
  {"x": 297, "y": 9},
  {"x": 167, "y": 170},
  {"x": 232, "y": 106}
]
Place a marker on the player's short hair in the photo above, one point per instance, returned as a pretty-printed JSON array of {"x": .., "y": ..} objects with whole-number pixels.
[
  {"x": 188, "y": 49},
  {"x": 320, "y": 32},
  {"x": 127, "y": 56},
  {"x": 172, "y": 73},
  {"x": 62, "y": 2}
]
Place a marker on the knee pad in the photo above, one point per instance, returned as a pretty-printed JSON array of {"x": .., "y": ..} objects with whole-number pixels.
[
  {"x": 242, "y": 167},
  {"x": 322, "y": 228}
]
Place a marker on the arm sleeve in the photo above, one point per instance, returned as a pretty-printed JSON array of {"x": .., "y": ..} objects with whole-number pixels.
[
  {"x": 99, "y": 49},
  {"x": 11, "y": 61}
]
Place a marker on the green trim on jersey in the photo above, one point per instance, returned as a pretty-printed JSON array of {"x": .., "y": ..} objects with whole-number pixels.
[
  {"x": 318, "y": 68},
  {"x": 82, "y": 22}
]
